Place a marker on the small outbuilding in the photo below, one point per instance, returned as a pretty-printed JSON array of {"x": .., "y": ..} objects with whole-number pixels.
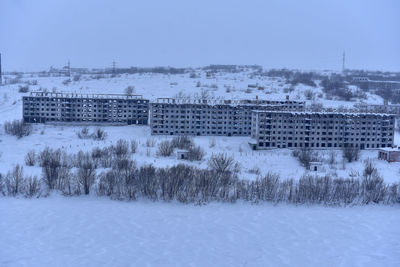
[
  {"x": 389, "y": 154},
  {"x": 182, "y": 154},
  {"x": 315, "y": 166}
]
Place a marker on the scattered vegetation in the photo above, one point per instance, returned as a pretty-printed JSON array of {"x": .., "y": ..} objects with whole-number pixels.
[
  {"x": 305, "y": 156},
  {"x": 351, "y": 153},
  {"x": 23, "y": 89},
  {"x": 17, "y": 128},
  {"x": 129, "y": 90}
]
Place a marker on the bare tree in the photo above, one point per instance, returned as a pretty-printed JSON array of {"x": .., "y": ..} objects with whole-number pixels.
[
  {"x": 14, "y": 180},
  {"x": 165, "y": 148},
  {"x": 351, "y": 153},
  {"x": 86, "y": 171},
  {"x": 129, "y": 90},
  {"x": 221, "y": 163}
]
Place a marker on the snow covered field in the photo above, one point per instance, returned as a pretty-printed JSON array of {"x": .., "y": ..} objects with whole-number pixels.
[
  {"x": 81, "y": 231},
  {"x": 151, "y": 86}
]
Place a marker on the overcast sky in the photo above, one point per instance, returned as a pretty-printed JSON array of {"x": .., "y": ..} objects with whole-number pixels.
[{"x": 35, "y": 35}]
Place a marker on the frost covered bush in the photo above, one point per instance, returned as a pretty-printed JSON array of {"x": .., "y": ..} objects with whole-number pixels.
[{"x": 17, "y": 128}]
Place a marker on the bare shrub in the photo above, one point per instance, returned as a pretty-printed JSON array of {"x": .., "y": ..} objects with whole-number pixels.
[
  {"x": 32, "y": 186},
  {"x": 14, "y": 180},
  {"x": 99, "y": 134},
  {"x": 77, "y": 78},
  {"x": 23, "y": 89},
  {"x": 30, "y": 158},
  {"x": 134, "y": 146},
  {"x": 55, "y": 172},
  {"x": 106, "y": 158},
  {"x": 195, "y": 153},
  {"x": 182, "y": 142},
  {"x": 211, "y": 143},
  {"x": 66, "y": 82},
  {"x": 165, "y": 148},
  {"x": 121, "y": 149},
  {"x": 129, "y": 90},
  {"x": 309, "y": 94},
  {"x": 373, "y": 189},
  {"x": 255, "y": 170},
  {"x": 369, "y": 169},
  {"x": 17, "y": 128},
  {"x": 305, "y": 156},
  {"x": 86, "y": 172},
  {"x": 84, "y": 133},
  {"x": 150, "y": 142},
  {"x": 221, "y": 163},
  {"x": 332, "y": 158},
  {"x": 351, "y": 153}
]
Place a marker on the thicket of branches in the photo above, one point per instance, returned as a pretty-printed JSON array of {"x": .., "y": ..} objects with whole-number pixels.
[
  {"x": 75, "y": 174},
  {"x": 17, "y": 128},
  {"x": 166, "y": 148}
]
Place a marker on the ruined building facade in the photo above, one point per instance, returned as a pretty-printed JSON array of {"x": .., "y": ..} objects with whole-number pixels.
[
  {"x": 281, "y": 129},
  {"x": 41, "y": 107},
  {"x": 210, "y": 117}
]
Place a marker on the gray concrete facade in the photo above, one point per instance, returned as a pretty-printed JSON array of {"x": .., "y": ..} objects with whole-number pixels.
[
  {"x": 42, "y": 107},
  {"x": 281, "y": 129},
  {"x": 210, "y": 117}
]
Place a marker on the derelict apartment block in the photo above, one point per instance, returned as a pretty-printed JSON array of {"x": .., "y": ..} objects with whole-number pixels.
[
  {"x": 281, "y": 129},
  {"x": 210, "y": 117},
  {"x": 41, "y": 107}
]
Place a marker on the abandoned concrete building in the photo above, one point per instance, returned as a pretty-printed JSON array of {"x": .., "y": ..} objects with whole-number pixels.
[
  {"x": 282, "y": 129},
  {"x": 210, "y": 117},
  {"x": 41, "y": 107}
]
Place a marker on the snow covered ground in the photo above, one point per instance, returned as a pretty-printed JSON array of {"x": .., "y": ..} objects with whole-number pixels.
[
  {"x": 59, "y": 231},
  {"x": 13, "y": 151},
  {"x": 278, "y": 161}
]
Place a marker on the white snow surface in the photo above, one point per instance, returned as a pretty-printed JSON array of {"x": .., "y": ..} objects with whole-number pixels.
[
  {"x": 280, "y": 161},
  {"x": 87, "y": 231}
]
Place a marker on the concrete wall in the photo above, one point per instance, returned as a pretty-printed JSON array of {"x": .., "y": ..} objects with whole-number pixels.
[
  {"x": 172, "y": 117},
  {"x": 114, "y": 109},
  {"x": 321, "y": 130}
]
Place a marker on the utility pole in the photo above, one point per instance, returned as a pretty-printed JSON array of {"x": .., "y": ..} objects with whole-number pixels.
[
  {"x": 343, "y": 62},
  {"x": 113, "y": 67},
  {"x": 69, "y": 69},
  {"x": 1, "y": 77}
]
